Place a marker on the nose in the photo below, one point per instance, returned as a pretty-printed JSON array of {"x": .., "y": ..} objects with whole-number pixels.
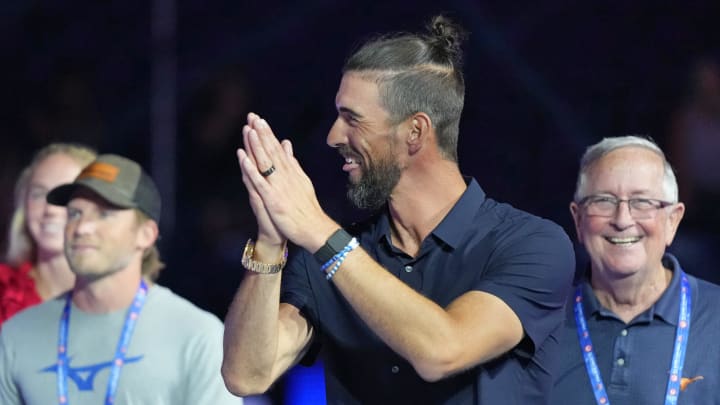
[
  {"x": 81, "y": 225},
  {"x": 622, "y": 218},
  {"x": 336, "y": 137}
]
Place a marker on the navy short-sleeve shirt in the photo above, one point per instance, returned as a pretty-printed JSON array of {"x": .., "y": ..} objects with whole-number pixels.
[
  {"x": 634, "y": 358},
  {"x": 481, "y": 245}
]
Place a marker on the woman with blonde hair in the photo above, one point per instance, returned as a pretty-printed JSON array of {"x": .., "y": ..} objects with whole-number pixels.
[{"x": 36, "y": 268}]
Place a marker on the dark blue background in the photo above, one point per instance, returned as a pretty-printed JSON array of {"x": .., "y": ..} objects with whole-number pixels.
[{"x": 544, "y": 80}]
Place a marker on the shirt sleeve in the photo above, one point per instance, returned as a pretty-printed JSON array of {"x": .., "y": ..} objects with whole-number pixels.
[
  {"x": 531, "y": 271},
  {"x": 297, "y": 291},
  {"x": 296, "y": 287}
]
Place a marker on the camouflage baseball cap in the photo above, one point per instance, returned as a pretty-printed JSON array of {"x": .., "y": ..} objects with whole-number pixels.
[{"x": 120, "y": 181}]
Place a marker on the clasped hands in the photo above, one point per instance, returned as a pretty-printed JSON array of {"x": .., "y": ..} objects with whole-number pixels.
[{"x": 281, "y": 194}]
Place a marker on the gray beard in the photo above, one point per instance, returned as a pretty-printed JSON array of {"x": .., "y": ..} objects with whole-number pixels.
[{"x": 376, "y": 184}]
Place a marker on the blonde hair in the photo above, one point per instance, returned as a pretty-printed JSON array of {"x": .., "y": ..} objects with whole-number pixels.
[
  {"x": 21, "y": 246},
  {"x": 151, "y": 261}
]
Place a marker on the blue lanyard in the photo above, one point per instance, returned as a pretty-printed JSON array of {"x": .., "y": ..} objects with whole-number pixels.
[
  {"x": 120, "y": 352},
  {"x": 678, "y": 359}
]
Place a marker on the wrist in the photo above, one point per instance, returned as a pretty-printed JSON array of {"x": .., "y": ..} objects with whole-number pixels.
[
  {"x": 260, "y": 259},
  {"x": 334, "y": 244},
  {"x": 317, "y": 235},
  {"x": 270, "y": 245}
]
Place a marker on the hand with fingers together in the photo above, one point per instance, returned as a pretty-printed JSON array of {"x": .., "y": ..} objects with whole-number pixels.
[
  {"x": 281, "y": 194},
  {"x": 267, "y": 232}
]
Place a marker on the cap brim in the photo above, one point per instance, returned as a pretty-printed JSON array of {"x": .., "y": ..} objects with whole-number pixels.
[{"x": 61, "y": 195}]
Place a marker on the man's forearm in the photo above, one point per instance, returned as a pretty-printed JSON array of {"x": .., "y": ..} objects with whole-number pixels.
[
  {"x": 409, "y": 323},
  {"x": 251, "y": 334},
  {"x": 437, "y": 341}
]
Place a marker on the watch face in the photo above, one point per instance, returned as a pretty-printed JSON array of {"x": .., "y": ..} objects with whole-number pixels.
[
  {"x": 339, "y": 240},
  {"x": 247, "y": 255},
  {"x": 249, "y": 249},
  {"x": 335, "y": 243}
]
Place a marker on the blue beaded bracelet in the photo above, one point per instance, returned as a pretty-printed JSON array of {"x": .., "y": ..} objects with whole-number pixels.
[
  {"x": 340, "y": 258},
  {"x": 352, "y": 244}
]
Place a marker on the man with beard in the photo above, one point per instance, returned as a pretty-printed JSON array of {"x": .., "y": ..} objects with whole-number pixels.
[{"x": 443, "y": 296}]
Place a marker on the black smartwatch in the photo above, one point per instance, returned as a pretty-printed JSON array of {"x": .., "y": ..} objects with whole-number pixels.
[{"x": 335, "y": 243}]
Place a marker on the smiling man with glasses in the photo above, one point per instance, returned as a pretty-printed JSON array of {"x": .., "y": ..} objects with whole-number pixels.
[{"x": 639, "y": 330}]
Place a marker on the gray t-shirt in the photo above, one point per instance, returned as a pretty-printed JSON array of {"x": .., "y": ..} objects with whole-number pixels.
[{"x": 174, "y": 355}]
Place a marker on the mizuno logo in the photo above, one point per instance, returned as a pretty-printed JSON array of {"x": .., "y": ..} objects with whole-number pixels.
[{"x": 84, "y": 377}]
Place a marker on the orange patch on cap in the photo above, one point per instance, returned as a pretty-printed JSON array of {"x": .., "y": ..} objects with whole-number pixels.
[{"x": 101, "y": 171}]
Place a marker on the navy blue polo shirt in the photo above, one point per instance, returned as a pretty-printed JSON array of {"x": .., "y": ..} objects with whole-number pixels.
[
  {"x": 482, "y": 245},
  {"x": 634, "y": 358}
]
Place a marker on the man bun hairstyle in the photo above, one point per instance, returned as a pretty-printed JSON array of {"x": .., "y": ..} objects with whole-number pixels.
[
  {"x": 446, "y": 39},
  {"x": 419, "y": 73}
]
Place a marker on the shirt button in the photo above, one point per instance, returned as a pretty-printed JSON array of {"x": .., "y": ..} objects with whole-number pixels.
[
  {"x": 408, "y": 269},
  {"x": 395, "y": 369},
  {"x": 623, "y": 332},
  {"x": 621, "y": 362}
]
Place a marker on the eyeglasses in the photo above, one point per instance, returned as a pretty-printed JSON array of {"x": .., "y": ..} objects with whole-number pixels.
[{"x": 606, "y": 206}]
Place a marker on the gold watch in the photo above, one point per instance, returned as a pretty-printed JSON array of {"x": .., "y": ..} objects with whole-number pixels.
[{"x": 258, "y": 267}]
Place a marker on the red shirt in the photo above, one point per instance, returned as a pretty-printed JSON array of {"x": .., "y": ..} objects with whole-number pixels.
[{"x": 17, "y": 290}]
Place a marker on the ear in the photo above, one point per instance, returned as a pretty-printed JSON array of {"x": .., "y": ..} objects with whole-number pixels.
[
  {"x": 420, "y": 127},
  {"x": 147, "y": 234},
  {"x": 673, "y": 222},
  {"x": 577, "y": 218}
]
